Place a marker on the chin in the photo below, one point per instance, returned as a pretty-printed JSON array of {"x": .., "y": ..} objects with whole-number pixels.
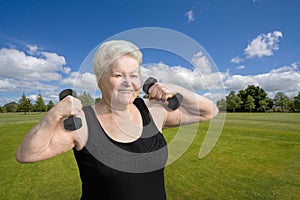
[{"x": 125, "y": 101}]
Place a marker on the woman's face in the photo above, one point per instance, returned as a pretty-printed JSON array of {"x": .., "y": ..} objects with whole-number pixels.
[{"x": 120, "y": 84}]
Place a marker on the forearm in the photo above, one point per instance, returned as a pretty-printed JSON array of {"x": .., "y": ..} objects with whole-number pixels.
[
  {"x": 194, "y": 108},
  {"x": 38, "y": 138},
  {"x": 49, "y": 138},
  {"x": 194, "y": 104}
]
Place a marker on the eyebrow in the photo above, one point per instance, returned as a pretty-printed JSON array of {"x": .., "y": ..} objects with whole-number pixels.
[{"x": 121, "y": 71}]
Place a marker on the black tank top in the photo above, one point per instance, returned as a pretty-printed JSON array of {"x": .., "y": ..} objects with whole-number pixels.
[{"x": 111, "y": 170}]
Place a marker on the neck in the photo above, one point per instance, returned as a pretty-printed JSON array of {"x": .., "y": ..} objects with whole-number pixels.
[{"x": 107, "y": 108}]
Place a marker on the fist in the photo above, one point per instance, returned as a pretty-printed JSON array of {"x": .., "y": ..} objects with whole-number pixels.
[
  {"x": 160, "y": 92},
  {"x": 68, "y": 106}
]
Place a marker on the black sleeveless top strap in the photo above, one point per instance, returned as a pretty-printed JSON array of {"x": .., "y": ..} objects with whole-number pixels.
[{"x": 111, "y": 170}]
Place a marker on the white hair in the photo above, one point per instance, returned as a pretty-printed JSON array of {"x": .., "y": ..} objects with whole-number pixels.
[{"x": 112, "y": 50}]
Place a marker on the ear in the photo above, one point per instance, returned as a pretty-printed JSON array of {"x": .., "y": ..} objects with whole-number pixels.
[{"x": 100, "y": 84}]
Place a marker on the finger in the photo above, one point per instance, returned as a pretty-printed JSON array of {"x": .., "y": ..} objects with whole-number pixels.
[
  {"x": 152, "y": 92},
  {"x": 76, "y": 106},
  {"x": 156, "y": 93},
  {"x": 160, "y": 92},
  {"x": 151, "y": 88},
  {"x": 163, "y": 92},
  {"x": 167, "y": 96},
  {"x": 69, "y": 106}
]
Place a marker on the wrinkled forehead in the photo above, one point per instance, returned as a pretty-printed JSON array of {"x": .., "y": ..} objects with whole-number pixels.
[
  {"x": 125, "y": 64},
  {"x": 126, "y": 61}
]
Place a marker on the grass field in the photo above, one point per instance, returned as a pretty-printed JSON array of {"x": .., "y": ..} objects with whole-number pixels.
[{"x": 256, "y": 157}]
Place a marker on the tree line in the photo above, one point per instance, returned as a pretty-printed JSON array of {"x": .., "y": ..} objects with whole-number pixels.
[
  {"x": 26, "y": 105},
  {"x": 252, "y": 99},
  {"x": 255, "y": 99}
]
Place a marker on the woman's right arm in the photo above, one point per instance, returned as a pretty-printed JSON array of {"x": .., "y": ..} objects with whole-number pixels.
[{"x": 49, "y": 138}]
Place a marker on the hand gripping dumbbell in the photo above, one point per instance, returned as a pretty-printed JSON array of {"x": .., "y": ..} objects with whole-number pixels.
[
  {"x": 71, "y": 123},
  {"x": 174, "y": 102}
]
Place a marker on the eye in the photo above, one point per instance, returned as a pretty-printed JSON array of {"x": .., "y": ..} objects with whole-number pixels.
[
  {"x": 134, "y": 76},
  {"x": 118, "y": 75}
]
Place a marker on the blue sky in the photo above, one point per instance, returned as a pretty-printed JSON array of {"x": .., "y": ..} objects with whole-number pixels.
[{"x": 44, "y": 43}]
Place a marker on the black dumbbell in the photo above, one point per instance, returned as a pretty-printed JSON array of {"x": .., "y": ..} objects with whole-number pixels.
[
  {"x": 71, "y": 123},
  {"x": 174, "y": 102}
]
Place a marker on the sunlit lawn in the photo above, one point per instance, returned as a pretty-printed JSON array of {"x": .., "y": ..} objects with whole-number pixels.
[{"x": 256, "y": 157}]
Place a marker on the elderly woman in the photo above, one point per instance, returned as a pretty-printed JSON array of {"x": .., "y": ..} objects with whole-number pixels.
[{"x": 119, "y": 123}]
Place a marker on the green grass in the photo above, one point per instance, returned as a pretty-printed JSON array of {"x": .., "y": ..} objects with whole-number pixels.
[
  {"x": 55, "y": 178},
  {"x": 19, "y": 118},
  {"x": 256, "y": 157}
]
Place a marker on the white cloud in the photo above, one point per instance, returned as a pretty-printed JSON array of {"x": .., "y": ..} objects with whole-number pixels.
[
  {"x": 67, "y": 70},
  {"x": 237, "y": 60},
  {"x": 190, "y": 79},
  {"x": 81, "y": 81},
  {"x": 201, "y": 63},
  {"x": 241, "y": 67},
  {"x": 12, "y": 85},
  {"x": 190, "y": 15},
  {"x": 32, "y": 49},
  {"x": 33, "y": 97},
  {"x": 17, "y": 65},
  {"x": 286, "y": 79},
  {"x": 43, "y": 71},
  {"x": 263, "y": 45},
  {"x": 214, "y": 96},
  {"x": 239, "y": 82},
  {"x": 201, "y": 77},
  {"x": 31, "y": 72},
  {"x": 7, "y": 85}
]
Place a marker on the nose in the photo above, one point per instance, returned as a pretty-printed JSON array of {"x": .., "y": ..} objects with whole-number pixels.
[{"x": 126, "y": 80}]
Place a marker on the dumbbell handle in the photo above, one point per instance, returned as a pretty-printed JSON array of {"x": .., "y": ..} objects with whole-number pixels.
[
  {"x": 174, "y": 102},
  {"x": 71, "y": 123}
]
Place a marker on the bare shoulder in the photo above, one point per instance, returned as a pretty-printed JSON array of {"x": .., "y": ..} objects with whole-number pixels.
[
  {"x": 158, "y": 112},
  {"x": 81, "y": 135}
]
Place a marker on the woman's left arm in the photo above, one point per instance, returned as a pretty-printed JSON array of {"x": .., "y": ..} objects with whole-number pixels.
[{"x": 194, "y": 108}]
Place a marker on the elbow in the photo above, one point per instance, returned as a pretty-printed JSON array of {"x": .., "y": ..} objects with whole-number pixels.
[
  {"x": 21, "y": 157},
  {"x": 213, "y": 112}
]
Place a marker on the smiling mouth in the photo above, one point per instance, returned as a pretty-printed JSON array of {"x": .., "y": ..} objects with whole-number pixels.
[{"x": 126, "y": 91}]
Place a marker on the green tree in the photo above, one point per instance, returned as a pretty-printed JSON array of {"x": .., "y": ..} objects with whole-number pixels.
[
  {"x": 250, "y": 103},
  {"x": 39, "y": 105},
  {"x": 11, "y": 107},
  {"x": 257, "y": 93},
  {"x": 146, "y": 96},
  {"x": 266, "y": 104},
  {"x": 233, "y": 101},
  {"x": 296, "y": 102},
  {"x": 86, "y": 99},
  {"x": 282, "y": 101},
  {"x": 25, "y": 104},
  {"x": 50, "y": 105},
  {"x": 2, "y": 109},
  {"x": 97, "y": 100},
  {"x": 221, "y": 104}
]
